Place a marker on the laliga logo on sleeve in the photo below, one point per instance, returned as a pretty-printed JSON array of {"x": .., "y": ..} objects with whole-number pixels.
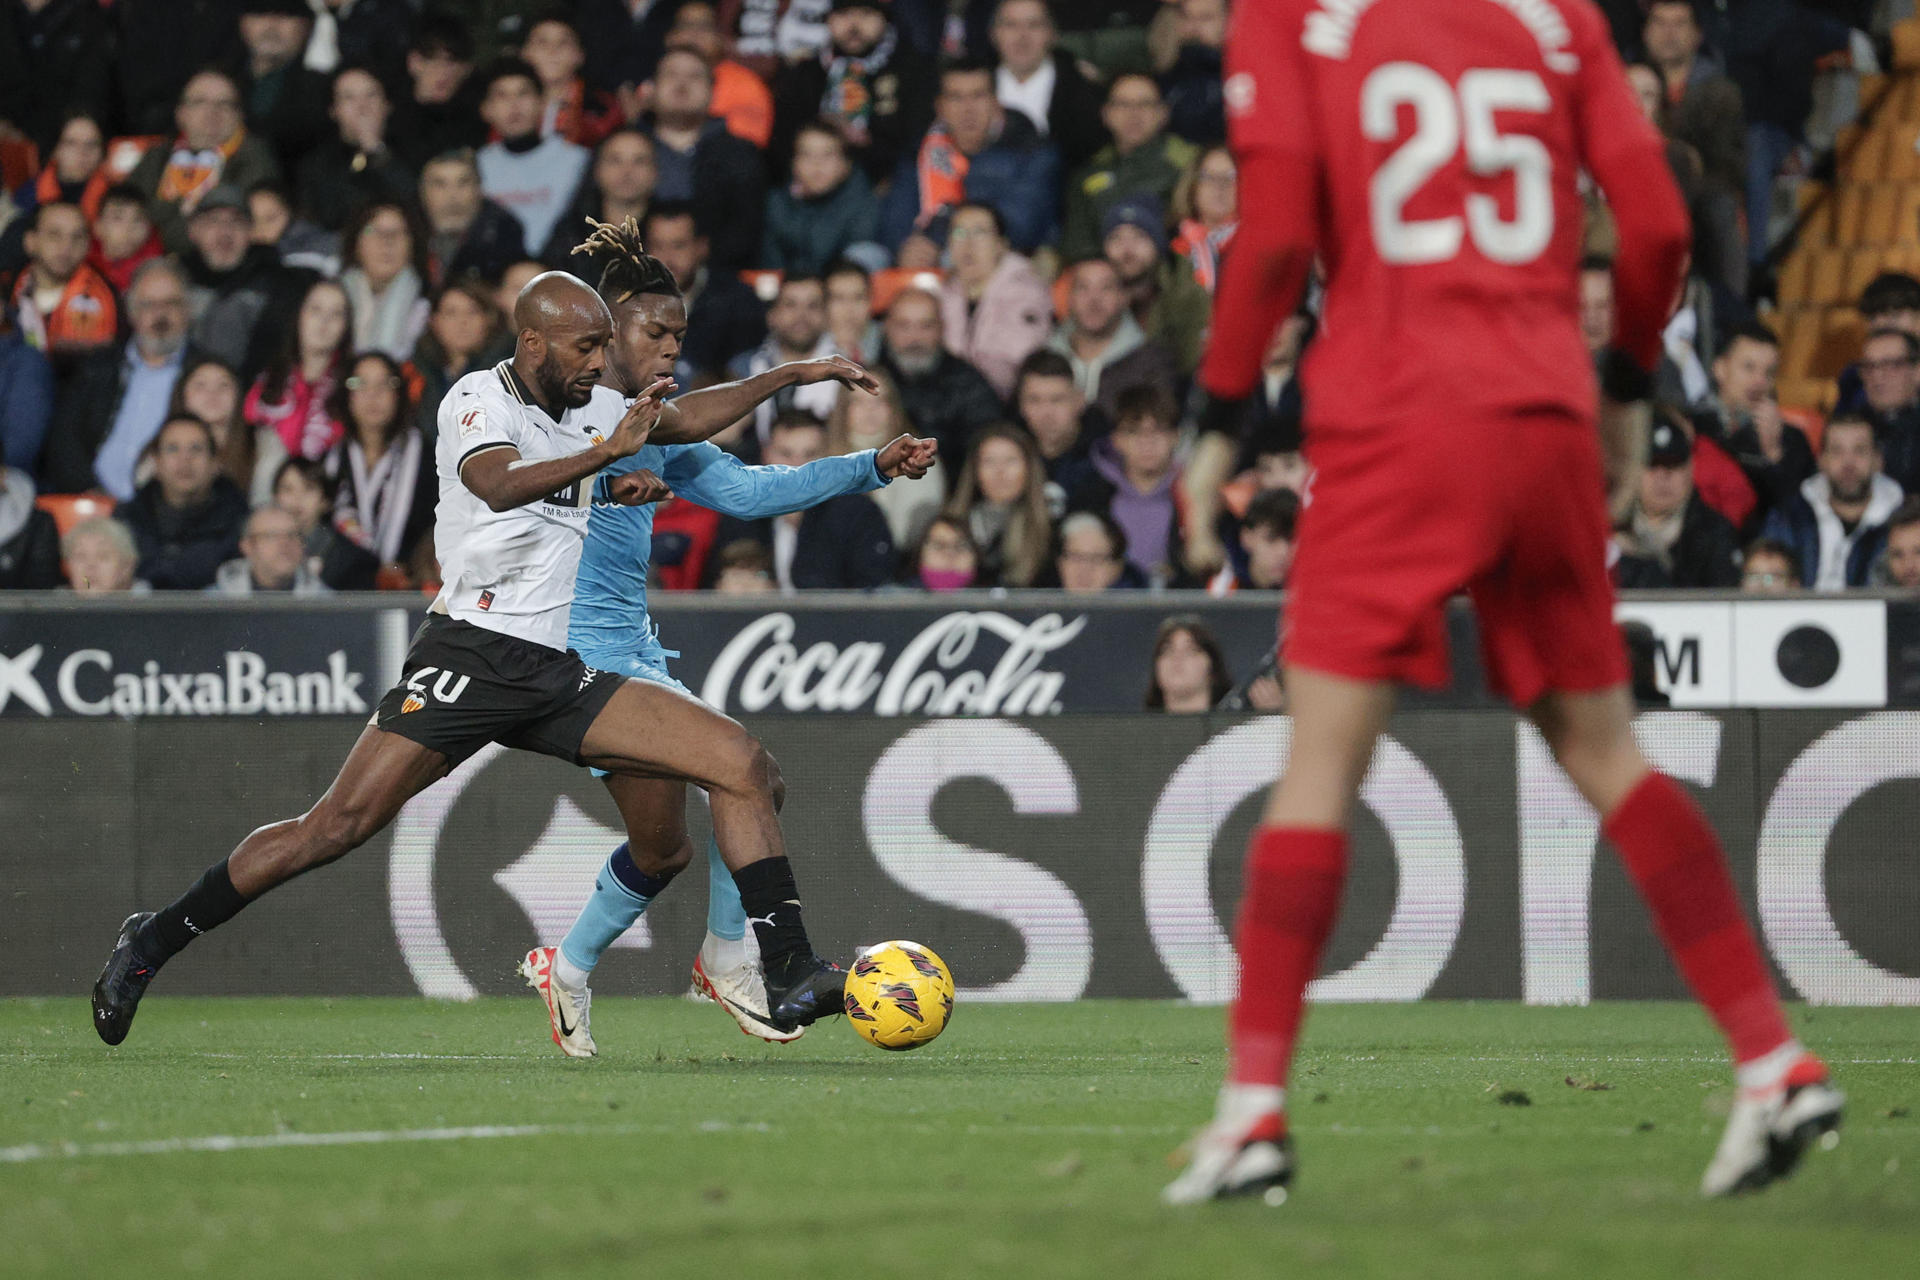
[{"x": 473, "y": 422}]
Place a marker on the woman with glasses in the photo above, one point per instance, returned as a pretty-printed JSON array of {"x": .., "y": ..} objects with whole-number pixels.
[
  {"x": 388, "y": 486},
  {"x": 385, "y": 279}
]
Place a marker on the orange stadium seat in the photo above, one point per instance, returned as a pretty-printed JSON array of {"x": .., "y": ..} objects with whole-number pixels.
[
  {"x": 1882, "y": 211},
  {"x": 1794, "y": 278},
  {"x": 1816, "y": 206},
  {"x": 1799, "y": 334},
  {"x": 1862, "y": 266},
  {"x": 69, "y": 509},
  {"x": 1848, "y": 205},
  {"x": 19, "y": 162},
  {"x": 1810, "y": 421},
  {"x": 1798, "y": 396},
  {"x": 1840, "y": 336},
  {"x": 1827, "y": 277},
  {"x": 894, "y": 281}
]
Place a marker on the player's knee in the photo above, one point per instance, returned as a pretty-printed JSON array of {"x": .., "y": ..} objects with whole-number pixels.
[{"x": 756, "y": 771}]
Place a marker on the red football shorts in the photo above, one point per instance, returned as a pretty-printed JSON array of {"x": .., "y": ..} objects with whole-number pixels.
[{"x": 1509, "y": 511}]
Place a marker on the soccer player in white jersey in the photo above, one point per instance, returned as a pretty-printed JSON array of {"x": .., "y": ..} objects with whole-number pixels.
[
  {"x": 611, "y": 629},
  {"x": 519, "y": 445}
]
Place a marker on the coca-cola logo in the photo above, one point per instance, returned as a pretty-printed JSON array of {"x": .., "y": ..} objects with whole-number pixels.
[{"x": 949, "y": 669}]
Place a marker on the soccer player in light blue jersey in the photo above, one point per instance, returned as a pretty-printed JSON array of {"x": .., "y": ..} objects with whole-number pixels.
[{"x": 611, "y": 630}]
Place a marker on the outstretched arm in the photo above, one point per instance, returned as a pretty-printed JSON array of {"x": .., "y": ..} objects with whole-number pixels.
[
  {"x": 721, "y": 482},
  {"x": 699, "y": 415}
]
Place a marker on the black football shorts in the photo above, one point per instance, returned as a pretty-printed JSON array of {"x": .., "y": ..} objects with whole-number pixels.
[{"x": 465, "y": 686}]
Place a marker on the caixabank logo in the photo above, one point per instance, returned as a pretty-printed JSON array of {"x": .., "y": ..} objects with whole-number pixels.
[{"x": 94, "y": 682}]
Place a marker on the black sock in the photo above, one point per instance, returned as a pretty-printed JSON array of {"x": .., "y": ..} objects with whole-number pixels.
[
  {"x": 772, "y": 904},
  {"x": 212, "y": 901}
]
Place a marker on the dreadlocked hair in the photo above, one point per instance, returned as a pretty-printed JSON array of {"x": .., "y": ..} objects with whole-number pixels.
[{"x": 628, "y": 270}]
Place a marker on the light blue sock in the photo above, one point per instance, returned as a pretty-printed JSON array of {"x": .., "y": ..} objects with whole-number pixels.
[
  {"x": 726, "y": 918},
  {"x": 621, "y": 893}
]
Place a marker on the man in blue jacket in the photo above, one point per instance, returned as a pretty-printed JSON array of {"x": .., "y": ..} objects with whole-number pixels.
[{"x": 1837, "y": 522}]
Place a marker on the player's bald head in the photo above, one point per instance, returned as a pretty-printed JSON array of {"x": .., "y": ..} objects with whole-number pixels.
[{"x": 553, "y": 301}]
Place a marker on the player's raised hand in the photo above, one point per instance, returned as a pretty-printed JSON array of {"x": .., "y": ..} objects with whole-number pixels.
[
  {"x": 640, "y": 419},
  {"x": 837, "y": 369},
  {"x": 638, "y": 488},
  {"x": 906, "y": 455}
]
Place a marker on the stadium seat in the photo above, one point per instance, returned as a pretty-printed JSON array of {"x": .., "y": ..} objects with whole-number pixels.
[
  {"x": 1827, "y": 278},
  {"x": 1882, "y": 211},
  {"x": 1848, "y": 211},
  {"x": 1840, "y": 336},
  {"x": 1862, "y": 266},
  {"x": 894, "y": 281},
  {"x": 19, "y": 162},
  {"x": 1816, "y": 206},
  {"x": 1799, "y": 333},
  {"x": 69, "y": 509},
  {"x": 1794, "y": 278},
  {"x": 1798, "y": 396},
  {"x": 1906, "y": 45},
  {"x": 1810, "y": 421}
]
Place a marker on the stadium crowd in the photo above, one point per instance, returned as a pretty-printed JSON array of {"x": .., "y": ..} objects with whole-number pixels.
[{"x": 253, "y": 242}]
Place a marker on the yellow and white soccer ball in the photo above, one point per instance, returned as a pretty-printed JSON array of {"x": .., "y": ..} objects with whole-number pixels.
[{"x": 899, "y": 995}]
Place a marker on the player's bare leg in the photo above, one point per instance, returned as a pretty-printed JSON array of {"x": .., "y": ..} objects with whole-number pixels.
[
  {"x": 381, "y": 773},
  {"x": 1296, "y": 868},
  {"x": 1785, "y": 1099},
  {"x": 652, "y": 731}
]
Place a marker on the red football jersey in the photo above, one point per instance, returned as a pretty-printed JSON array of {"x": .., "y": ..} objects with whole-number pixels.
[{"x": 1431, "y": 151}]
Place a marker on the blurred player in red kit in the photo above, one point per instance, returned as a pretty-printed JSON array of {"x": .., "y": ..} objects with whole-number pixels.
[{"x": 1429, "y": 151}]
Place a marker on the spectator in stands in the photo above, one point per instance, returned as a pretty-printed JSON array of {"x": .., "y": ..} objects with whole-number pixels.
[
  {"x": 532, "y": 176},
  {"x": 1891, "y": 300},
  {"x": 1769, "y": 567},
  {"x": 1104, "y": 344},
  {"x": 946, "y": 397},
  {"x": 1092, "y": 555},
  {"x": 1196, "y": 105},
  {"x": 185, "y": 521},
  {"x": 1890, "y": 372},
  {"x": 875, "y": 93},
  {"x": 856, "y": 334},
  {"x": 56, "y": 56},
  {"x": 61, "y": 305},
  {"x": 1704, "y": 107},
  {"x": 701, "y": 162},
  {"x": 1189, "y": 667},
  {"x": 1049, "y": 404},
  {"x": 100, "y": 558},
  {"x": 301, "y": 246},
  {"x": 740, "y": 97},
  {"x": 291, "y": 396},
  {"x": 552, "y": 48},
  {"x": 355, "y": 167},
  {"x": 995, "y": 311},
  {"x": 385, "y": 279},
  {"x": 826, "y": 212},
  {"x": 210, "y": 390},
  {"x": 367, "y": 33},
  {"x": 1267, "y": 534},
  {"x": 384, "y": 465},
  {"x": 1206, "y": 206},
  {"x": 111, "y": 404},
  {"x": 870, "y": 422},
  {"x": 1672, "y": 538},
  {"x": 302, "y": 487},
  {"x": 1596, "y": 303},
  {"x": 1170, "y": 305},
  {"x": 620, "y": 185},
  {"x": 26, "y": 398},
  {"x": 124, "y": 236},
  {"x": 1142, "y": 160},
  {"x": 1044, "y": 83},
  {"x": 231, "y": 281},
  {"x": 796, "y": 330},
  {"x": 746, "y": 569},
  {"x": 465, "y": 332},
  {"x": 467, "y": 234},
  {"x": 842, "y": 544},
  {"x": 1836, "y": 524},
  {"x": 725, "y": 318},
  {"x": 212, "y": 148},
  {"x": 513, "y": 280},
  {"x": 271, "y": 559},
  {"x": 623, "y": 40},
  {"x": 1001, "y": 494},
  {"x": 1719, "y": 233},
  {"x": 1137, "y": 482},
  {"x": 285, "y": 99},
  {"x": 1743, "y": 381},
  {"x": 977, "y": 152},
  {"x": 75, "y": 173},
  {"x": 441, "y": 113},
  {"x": 161, "y": 46},
  {"x": 29, "y": 540},
  {"x": 1899, "y": 566},
  {"x": 946, "y": 559}
]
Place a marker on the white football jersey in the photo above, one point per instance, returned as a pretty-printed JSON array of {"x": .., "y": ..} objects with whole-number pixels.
[{"x": 512, "y": 571}]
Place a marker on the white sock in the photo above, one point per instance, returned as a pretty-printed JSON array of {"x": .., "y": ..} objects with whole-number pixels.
[
  {"x": 1762, "y": 1074},
  {"x": 1243, "y": 1103},
  {"x": 727, "y": 953},
  {"x": 567, "y": 973}
]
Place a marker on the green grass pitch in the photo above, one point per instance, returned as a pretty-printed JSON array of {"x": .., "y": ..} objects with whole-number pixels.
[{"x": 1029, "y": 1141}]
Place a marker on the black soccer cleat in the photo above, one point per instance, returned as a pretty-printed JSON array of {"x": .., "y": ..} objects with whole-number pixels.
[
  {"x": 806, "y": 991},
  {"x": 117, "y": 994}
]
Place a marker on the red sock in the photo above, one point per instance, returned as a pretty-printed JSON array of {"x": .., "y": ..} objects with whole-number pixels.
[
  {"x": 1294, "y": 879},
  {"x": 1676, "y": 863}
]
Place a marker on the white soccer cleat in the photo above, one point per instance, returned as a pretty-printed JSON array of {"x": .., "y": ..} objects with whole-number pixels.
[
  {"x": 728, "y": 973},
  {"x": 1770, "y": 1129},
  {"x": 567, "y": 1007},
  {"x": 1236, "y": 1157}
]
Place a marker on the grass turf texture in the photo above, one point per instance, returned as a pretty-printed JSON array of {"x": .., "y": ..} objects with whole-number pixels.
[{"x": 1029, "y": 1141}]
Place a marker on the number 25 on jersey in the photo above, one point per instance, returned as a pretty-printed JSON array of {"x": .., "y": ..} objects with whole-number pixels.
[{"x": 1447, "y": 120}]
